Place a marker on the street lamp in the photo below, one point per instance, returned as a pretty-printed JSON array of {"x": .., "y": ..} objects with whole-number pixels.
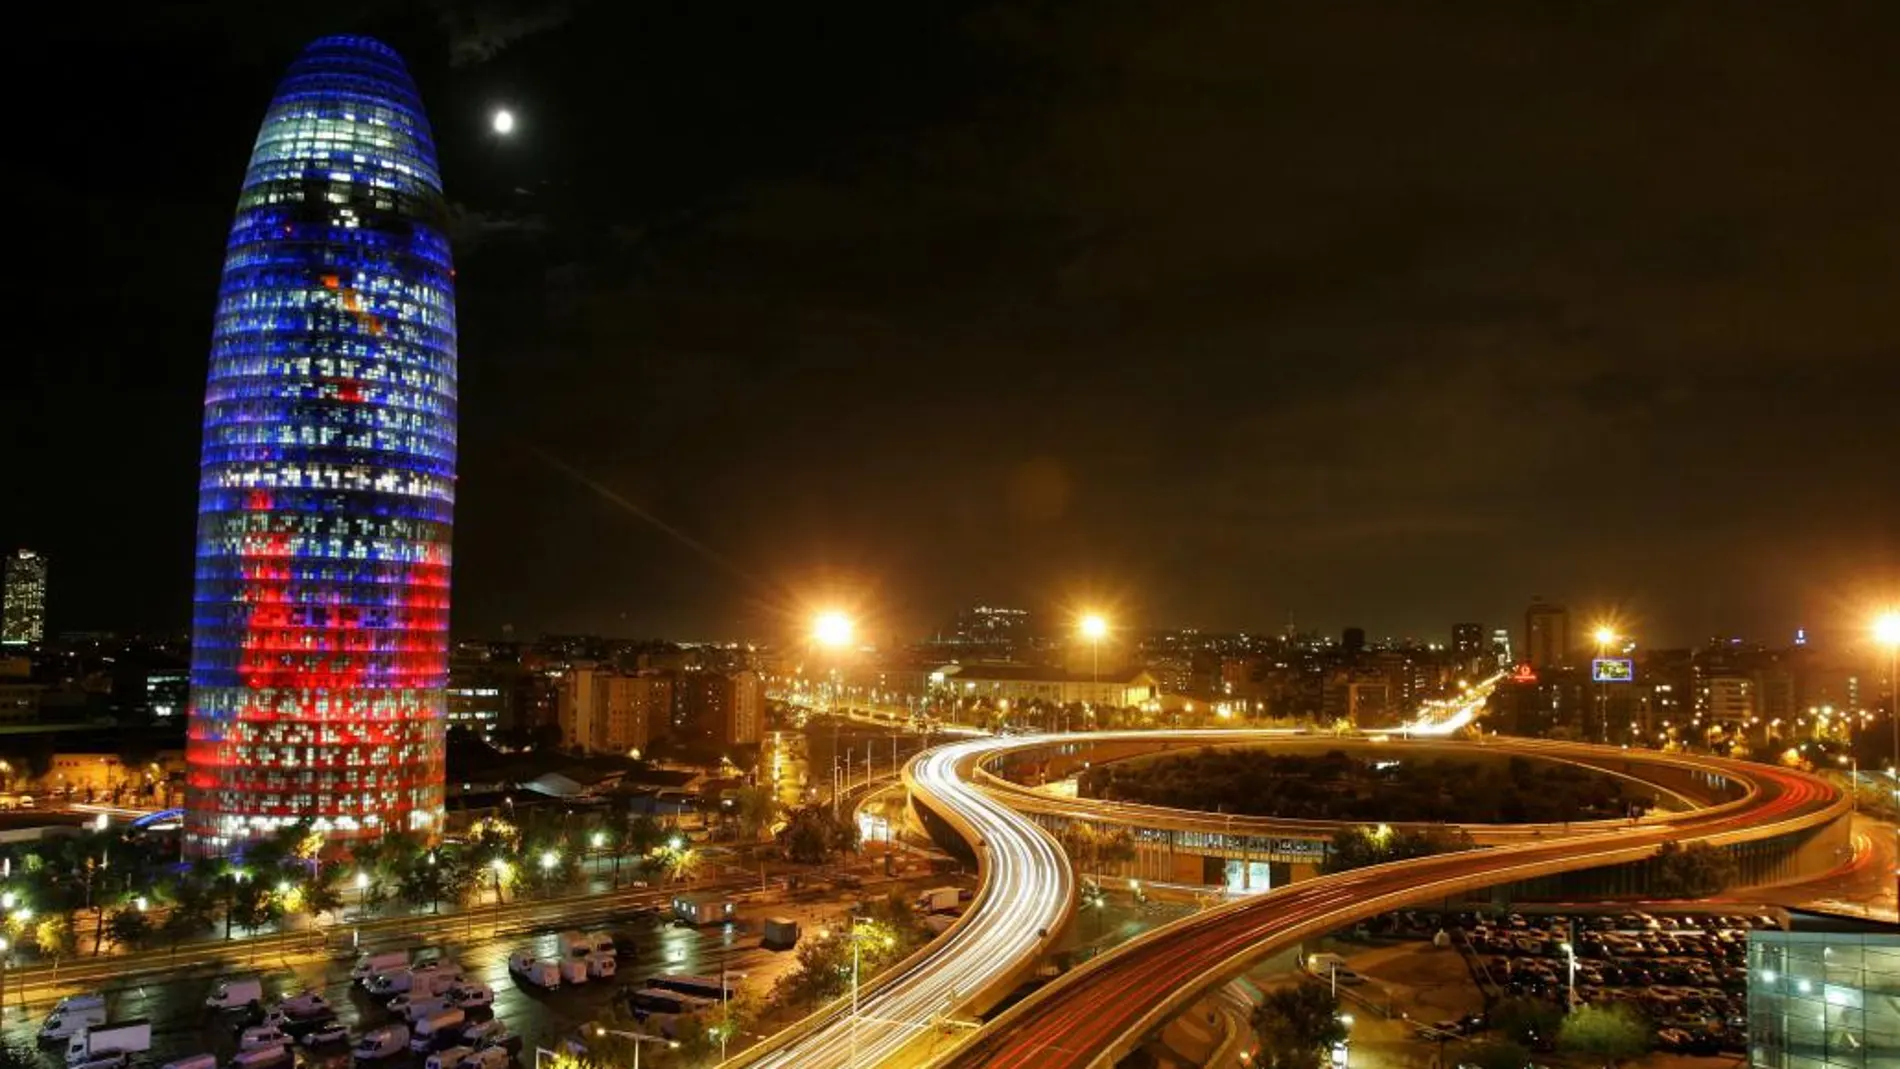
[
  {"x": 1887, "y": 633},
  {"x": 1570, "y": 955},
  {"x": 1094, "y": 628},
  {"x": 639, "y": 1040}
]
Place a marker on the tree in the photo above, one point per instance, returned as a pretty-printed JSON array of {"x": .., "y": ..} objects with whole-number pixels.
[
  {"x": 55, "y": 937},
  {"x": 756, "y": 809},
  {"x": 322, "y": 893},
  {"x": 253, "y": 905},
  {"x": 1609, "y": 1034},
  {"x": 1530, "y": 1021},
  {"x": 1298, "y": 1026},
  {"x": 129, "y": 928},
  {"x": 812, "y": 835},
  {"x": 1695, "y": 871},
  {"x": 1496, "y": 1053}
]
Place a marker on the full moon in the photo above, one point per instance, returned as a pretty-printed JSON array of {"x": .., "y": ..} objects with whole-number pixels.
[{"x": 504, "y": 121}]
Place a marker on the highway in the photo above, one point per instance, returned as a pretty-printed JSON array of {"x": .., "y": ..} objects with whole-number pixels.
[
  {"x": 1096, "y": 1014},
  {"x": 1027, "y": 891},
  {"x": 1136, "y": 814}
]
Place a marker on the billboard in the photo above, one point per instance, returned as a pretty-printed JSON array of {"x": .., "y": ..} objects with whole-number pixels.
[{"x": 1612, "y": 670}]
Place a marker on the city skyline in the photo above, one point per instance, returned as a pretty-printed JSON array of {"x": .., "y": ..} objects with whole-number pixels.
[{"x": 914, "y": 327}]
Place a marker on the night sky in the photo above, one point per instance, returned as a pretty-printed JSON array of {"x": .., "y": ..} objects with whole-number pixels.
[{"x": 1389, "y": 314}]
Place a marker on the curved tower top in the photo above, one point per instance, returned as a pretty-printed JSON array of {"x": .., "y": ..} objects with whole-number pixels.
[{"x": 327, "y": 477}]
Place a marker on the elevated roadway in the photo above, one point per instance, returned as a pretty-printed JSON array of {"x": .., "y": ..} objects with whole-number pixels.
[
  {"x": 1093, "y": 1016},
  {"x": 1026, "y": 892}
]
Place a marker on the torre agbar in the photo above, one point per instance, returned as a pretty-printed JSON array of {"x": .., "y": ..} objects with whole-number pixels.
[{"x": 326, "y": 489}]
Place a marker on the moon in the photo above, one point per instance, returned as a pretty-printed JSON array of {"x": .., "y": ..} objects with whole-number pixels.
[{"x": 503, "y": 121}]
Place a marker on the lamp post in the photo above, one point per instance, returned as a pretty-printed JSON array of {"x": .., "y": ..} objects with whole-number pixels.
[
  {"x": 1604, "y": 636},
  {"x": 1094, "y": 628},
  {"x": 1570, "y": 956},
  {"x": 1887, "y": 633},
  {"x": 639, "y": 1039}
]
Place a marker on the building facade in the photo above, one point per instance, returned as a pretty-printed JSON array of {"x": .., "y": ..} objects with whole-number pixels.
[
  {"x": 327, "y": 480},
  {"x": 1546, "y": 635},
  {"x": 1824, "y": 999},
  {"x": 23, "y": 616}
]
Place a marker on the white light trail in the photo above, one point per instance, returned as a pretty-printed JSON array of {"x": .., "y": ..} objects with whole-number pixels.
[{"x": 1030, "y": 888}]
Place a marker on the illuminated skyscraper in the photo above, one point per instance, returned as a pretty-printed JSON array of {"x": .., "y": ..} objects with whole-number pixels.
[
  {"x": 327, "y": 482},
  {"x": 23, "y": 615}
]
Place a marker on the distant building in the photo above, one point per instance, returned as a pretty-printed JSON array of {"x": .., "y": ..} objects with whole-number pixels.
[
  {"x": 720, "y": 708},
  {"x": 603, "y": 710},
  {"x": 1726, "y": 698},
  {"x": 1501, "y": 649},
  {"x": 1546, "y": 635},
  {"x": 166, "y": 691},
  {"x": 1024, "y": 682},
  {"x": 1353, "y": 639},
  {"x": 24, "y": 621}
]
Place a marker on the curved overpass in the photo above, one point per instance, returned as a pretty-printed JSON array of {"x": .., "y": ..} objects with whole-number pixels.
[
  {"x": 1096, "y": 1014},
  {"x": 1127, "y": 745},
  {"x": 1026, "y": 892}
]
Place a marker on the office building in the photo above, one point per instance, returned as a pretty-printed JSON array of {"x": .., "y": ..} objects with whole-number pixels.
[
  {"x": 1824, "y": 995},
  {"x": 1546, "y": 635},
  {"x": 327, "y": 480},
  {"x": 1501, "y": 649},
  {"x": 23, "y": 616}
]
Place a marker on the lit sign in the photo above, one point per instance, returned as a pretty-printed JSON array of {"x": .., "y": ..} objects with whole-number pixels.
[
  {"x": 1523, "y": 674},
  {"x": 1613, "y": 670}
]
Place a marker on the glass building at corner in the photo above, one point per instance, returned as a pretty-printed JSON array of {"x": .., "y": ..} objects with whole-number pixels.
[
  {"x": 327, "y": 482},
  {"x": 1824, "y": 995}
]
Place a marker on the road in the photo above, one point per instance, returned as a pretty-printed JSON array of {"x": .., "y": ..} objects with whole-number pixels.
[
  {"x": 1095, "y": 1013},
  {"x": 1027, "y": 892}
]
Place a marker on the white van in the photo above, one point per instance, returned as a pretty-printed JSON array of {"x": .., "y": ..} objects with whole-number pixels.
[
  {"x": 1332, "y": 967},
  {"x": 420, "y": 1008},
  {"x": 375, "y": 964},
  {"x": 448, "y": 1057},
  {"x": 380, "y": 1043},
  {"x": 63, "y": 1023},
  {"x": 434, "y": 1027},
  {"x": 235, "y": 993},
  {"x": 261, "y": 1058}
]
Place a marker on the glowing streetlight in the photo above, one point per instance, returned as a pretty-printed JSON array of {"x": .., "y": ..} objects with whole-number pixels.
[
  {"x": 832, "y": 629},
  {"x": 1887, "y": 633},
  {"x": 1094, "y": 627},
  {"x": 502, "y": 122},
  {"x": 1604, "y": 637},
  {"x": 549, "y": 859}
]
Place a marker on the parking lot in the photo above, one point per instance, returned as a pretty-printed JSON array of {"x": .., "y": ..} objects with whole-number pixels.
[{"x": 1686, "y": 972}]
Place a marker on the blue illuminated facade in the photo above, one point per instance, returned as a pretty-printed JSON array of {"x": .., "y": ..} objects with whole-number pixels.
[{"x": 327, "y": 481}]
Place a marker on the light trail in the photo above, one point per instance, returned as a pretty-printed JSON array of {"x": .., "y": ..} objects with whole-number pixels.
[
  {"x": 1028, "y": 891},
  {"x": 1089, "y": 1016}
]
